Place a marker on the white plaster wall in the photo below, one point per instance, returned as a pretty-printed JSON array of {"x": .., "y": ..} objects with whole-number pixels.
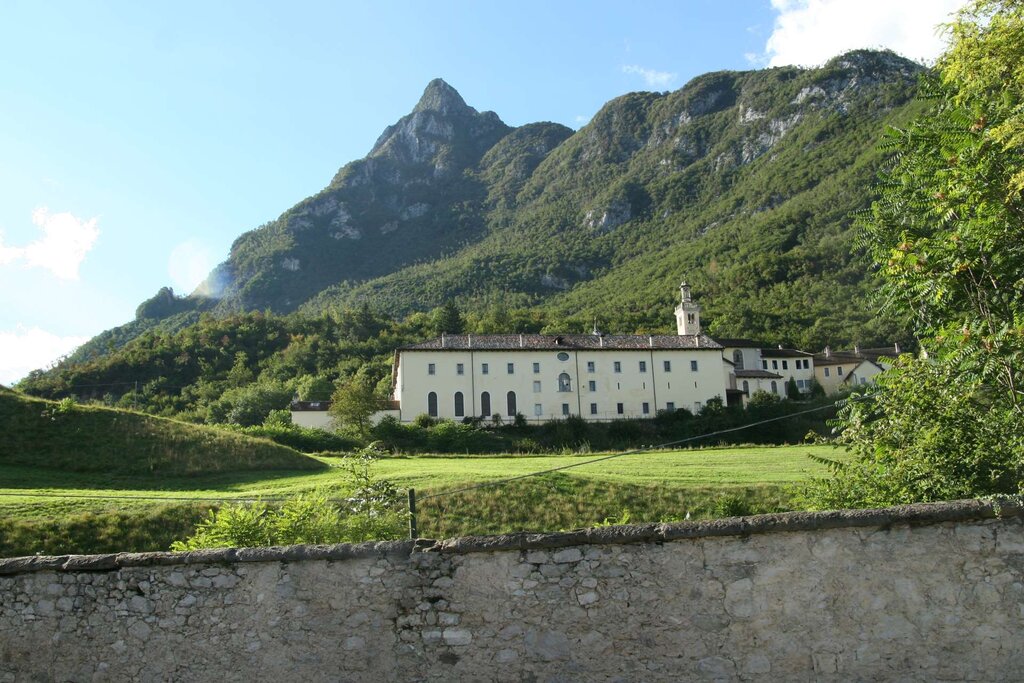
[{"x": 656, "y": 387}]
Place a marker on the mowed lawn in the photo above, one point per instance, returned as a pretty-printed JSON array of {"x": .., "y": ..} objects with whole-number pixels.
[
  {"x": 753, "y": 466},
  {"x": 726, "y": 467}
]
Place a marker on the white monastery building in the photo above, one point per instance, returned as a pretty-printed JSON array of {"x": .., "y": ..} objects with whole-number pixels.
[
  {"x": 601, "y": 377},
  {"x": 596, "y": 376}
]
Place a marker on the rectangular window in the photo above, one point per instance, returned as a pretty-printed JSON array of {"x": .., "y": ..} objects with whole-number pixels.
[
  {"x": 536, "y": 368},
  {"x": 483, "y": 368},
  {"x": 460, "y": 369},
  {"x": 620, "y": 409},
  {"x": 693, "y": 366},
  {"x": 593, "y": 409},
  {"x": 647, "y": 408},
  {"x": 590, "y": 366},
  {"x": 643, "y": 366},
  {"x": 839, "y": 370},
  {"x": 670, "y": 406},
  {"x": 668, "y": 366},
  {"x": 536, "y": 387},
  {"x": 538, "y": 409},
  {"x": 764, "y": 365},
  {"x": 431, "y": 368},
  {"x": 827, "y": 373},
  {"x": 565, "y": 410},
  {"x": 511, "y": 368},
  {"x": 592, "y": 385},
  {"x": 785, "y": 365},
  {"x": 775, "y": 365},
  {"x": 617, "y": 366}
]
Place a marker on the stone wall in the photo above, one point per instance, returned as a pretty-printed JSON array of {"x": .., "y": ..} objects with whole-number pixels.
[{"x": 931, "y": 592}]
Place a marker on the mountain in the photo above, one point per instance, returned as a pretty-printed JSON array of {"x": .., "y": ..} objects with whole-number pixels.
[{"x": 742, "y": 183}]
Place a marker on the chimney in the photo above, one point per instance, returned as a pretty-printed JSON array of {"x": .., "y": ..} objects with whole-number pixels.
[
  {"x": 469, "y": 341},
  {"x": 856, "y": 349},
  {"x": 828, "y": 352},
  {"x": 650, "y": 341},
  {"x": 442, "y": 340},
  {"x": 897, "y": 347},
  {"x": 520, "y": 341}
]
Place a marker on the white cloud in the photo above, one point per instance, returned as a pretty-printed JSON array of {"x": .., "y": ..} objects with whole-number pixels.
[
  {"x": 188, "y": 265},
  {"x": 653, "y": 79},
  {"x": 61, "y": 249},
  {"x": 810, "y": 32},
  {"x": 27, "y": 349}
]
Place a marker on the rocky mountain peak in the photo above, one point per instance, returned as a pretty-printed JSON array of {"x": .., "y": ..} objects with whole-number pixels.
[{"x": 441, "y": 97}]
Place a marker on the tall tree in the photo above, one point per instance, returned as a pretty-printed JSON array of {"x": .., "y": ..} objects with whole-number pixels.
[
  {"x": 947, "y": 233},
  {"x": 354, "y": 402},
  {"x": 448, "y": 319}
]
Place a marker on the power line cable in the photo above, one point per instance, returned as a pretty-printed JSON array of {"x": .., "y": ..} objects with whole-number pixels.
[{"x": 645, "y": 449}]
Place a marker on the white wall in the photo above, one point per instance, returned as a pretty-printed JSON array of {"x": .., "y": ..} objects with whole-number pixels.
[{"x": 656, "y": 387}]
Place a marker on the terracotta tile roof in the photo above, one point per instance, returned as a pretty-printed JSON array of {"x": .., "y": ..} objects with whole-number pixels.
[{"x": 564, "y": 342}]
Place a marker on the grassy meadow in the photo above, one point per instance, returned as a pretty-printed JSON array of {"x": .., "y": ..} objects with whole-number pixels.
[{"x": 56, "y": 511}]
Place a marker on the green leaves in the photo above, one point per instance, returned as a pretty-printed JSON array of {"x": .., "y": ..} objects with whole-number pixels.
[{"x": 948, "y": 235}]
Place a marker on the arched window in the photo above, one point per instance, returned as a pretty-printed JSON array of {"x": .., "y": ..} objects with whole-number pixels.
[
  {"x": 432, "y": 404},
  {"x": 510, "y": 401},
  {"x": 746, "y": 386},
  {"x": 564, "y": 382},
  {"x": 485, "y": 404},
  {"x": 460, "y": 406},
  {"x": 775, "y": 387},
  {"x": 737, "y": 359}
]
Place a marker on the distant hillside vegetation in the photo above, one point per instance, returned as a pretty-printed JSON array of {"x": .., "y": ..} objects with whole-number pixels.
[{"x": 81, "y": 438}]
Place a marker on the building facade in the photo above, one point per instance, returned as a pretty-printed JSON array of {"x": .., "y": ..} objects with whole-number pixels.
[{"x": 544, "y": 377}]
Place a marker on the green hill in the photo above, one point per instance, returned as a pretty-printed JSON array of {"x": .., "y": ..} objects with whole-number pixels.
[{"x": 68, "y": 436}]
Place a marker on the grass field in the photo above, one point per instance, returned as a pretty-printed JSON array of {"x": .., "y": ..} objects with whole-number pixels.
[{"x": 59, "y": 511}]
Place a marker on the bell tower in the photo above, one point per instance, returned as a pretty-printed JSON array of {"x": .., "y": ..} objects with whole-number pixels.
[{"x": 687, "y": 312}]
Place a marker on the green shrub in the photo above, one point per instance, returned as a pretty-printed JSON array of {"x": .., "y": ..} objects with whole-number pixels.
[{"x": 367, "y": 510}]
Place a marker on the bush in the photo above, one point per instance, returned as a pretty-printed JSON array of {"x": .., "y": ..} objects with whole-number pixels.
[
  {"x": 304, "y": 439},
  {"x": 368, "y": 510}
]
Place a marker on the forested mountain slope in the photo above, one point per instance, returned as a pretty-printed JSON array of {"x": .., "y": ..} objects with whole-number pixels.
[{"x": 741, "y": 182}]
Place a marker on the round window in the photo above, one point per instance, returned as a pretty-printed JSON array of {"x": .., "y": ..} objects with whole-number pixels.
[{"x": 563, "y": 356}]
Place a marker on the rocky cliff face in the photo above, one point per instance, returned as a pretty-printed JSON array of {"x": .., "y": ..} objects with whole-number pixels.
[{"x": 378, "y": 214}]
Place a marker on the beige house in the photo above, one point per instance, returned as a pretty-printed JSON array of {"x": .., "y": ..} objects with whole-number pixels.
[{"x": 841, "y": 370}]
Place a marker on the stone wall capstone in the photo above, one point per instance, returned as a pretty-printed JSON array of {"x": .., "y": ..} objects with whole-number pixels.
[{"x": 915, "y": 593}]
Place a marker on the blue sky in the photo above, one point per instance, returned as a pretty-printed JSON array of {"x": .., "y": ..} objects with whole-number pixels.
[{"x": 138, "y": 140}]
